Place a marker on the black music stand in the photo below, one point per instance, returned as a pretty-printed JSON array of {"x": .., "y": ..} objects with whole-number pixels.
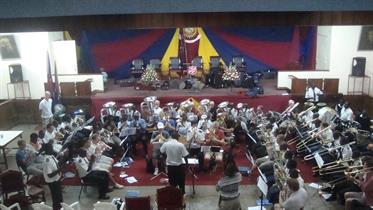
[
  {"x": 192, "y": 162},
  {"x": 125, "y": 133},
  {"x": 263, "y": 187}
]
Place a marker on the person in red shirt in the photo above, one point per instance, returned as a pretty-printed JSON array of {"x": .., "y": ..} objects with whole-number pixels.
[{"x": 365, "y": 197}]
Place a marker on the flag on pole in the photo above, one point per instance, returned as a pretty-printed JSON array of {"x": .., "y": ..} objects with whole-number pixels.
[
  {"x": 56, "y": 86},
  {"x": 50, "y": 84}
]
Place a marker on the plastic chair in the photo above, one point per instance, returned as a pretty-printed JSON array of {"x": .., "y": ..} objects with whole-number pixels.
[
  {"x": 136, "y": 203},
  {"x": 11, "y": 207},
  {"x": 170, "y": 198},
  {"x": 73, "y": 206},
  {"x": 41, "y": 206},
  {"x": 104, "y": 206},
  {"x": 137, "y": 68}
]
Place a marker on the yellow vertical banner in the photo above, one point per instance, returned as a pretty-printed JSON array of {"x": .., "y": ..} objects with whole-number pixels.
[{"x": 172, "y": 51}]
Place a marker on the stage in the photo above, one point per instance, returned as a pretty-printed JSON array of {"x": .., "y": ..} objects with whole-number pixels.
[{"x": 272, "y": 99}]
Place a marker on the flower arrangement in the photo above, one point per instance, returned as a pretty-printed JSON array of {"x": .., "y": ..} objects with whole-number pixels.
[
  {"x": 230, "y": 73},
  {"x": 149, "y": 75}
]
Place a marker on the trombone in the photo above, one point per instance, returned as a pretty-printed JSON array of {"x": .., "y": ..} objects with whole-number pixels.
[
  {"x": 326, "y": 151},
  {"x": 330, "y": 164},
  {"x": 302, "y": 145}
]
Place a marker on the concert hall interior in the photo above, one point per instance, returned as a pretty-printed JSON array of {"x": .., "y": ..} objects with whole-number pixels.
[{"x": 197, "y": 105}]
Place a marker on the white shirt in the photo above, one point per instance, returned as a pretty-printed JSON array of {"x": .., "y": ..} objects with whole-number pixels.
[
  {"x": 346, "y": 114},
  {"x": 204, "y": 124},
  {"x": 296, "y": 200},
  {"x": 157, "y": 111},
  {"x": 46, "y": 108},
  {"x": 49, "y": 136},
  {"x": 199, "y": 137},
  {"x": 81, "y": 165},
  {"x": 346, "y": 152},
  {"x": 175, "y": 152},
  {"x": 312, "y": 94},
  {"x": 50, "y": 166}
]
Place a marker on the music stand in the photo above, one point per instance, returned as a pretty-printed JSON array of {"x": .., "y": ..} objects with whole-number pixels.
[
  {"x": 192, "y": 162},
  {"x": 125, "y": 133},
  {"x": 263, "y": 187}
]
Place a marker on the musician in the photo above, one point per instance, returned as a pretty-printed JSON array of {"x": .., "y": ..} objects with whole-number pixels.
[
  {"x": 212, "y": 111},
  {"x": 204, "y": 123},
  {"x": 159, "y": 137},
  {"x": 50, "y": 133},
  {"x": 346, "y": 112},
  {"x": 182, "y": 127},
  {"x": 292, "y": 197},
  {"x": 27, "y": 160},
  {"x": 175, "y": 152},
  {"x": 214, "y": 137},
  {"x": 339, "y": 106},
  {"x": 195, "y": 138},
  {"x": 86, "y": 173},
  {"x": 365, "y": 197},
  {"x": 313, "y": 93},
  {"x": 364, "y": 120},
  {"x": 327, "y": 134},
  {"x": 294, "y": 173},
  {"x": 157, "y": 110},
  {"x": 345, "y": 152},
  {"x": 34, "y": 142},
  {"x": 52, "y": 176},
  {"x": 140, "y": 126}
]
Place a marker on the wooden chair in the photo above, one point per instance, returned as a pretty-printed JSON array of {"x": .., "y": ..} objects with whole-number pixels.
[
  {"x": 136, "y": 203},
  {"x": 13, "y": 189},
  {"x": 170, "y": 198}
]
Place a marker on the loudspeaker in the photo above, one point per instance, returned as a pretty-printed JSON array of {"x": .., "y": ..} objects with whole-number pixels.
[
  {"x": 358, "y": 66},
  {"x": 15, "y": 73}
]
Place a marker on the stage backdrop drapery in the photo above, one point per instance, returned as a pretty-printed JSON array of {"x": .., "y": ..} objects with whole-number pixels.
[{"x": 263, "y": 48}]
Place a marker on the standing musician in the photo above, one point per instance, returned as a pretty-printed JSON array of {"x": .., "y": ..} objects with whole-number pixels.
[
  {"x": 195, "y": 138},
  {"x": 365, "y": 197},
  {"x": 159, "y": 137},
  {"x": 182, "y": 127},
  {"x": 214, "y": 137},
  {"x": 312, "y": 93},
  {"x": 339, "y": 106},
  {"x": 52, "y": 176}
]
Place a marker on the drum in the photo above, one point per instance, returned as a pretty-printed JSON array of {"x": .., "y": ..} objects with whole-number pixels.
[{"x": 327, "y": 114}]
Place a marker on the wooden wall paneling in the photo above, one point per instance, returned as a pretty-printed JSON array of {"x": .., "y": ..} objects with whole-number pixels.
[
  {"x": 316, "y": 83},
  {"x": 298, "y": 86},
  {"x": 67, "y": 89},
  {"x": 331, "y": 86},
  {"x": 8, "y": 115},
  {"x": 83, "y": 88}
]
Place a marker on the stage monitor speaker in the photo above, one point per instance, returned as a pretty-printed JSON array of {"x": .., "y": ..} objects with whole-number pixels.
[
  {"x": 15, "y": 73},
  {"x": 358, "y": 66}
]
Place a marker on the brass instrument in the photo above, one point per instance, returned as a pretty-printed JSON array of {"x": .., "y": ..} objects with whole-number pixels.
[
  {"x": 150, "y": 101},
  {"x": 205, "y": 104},
  {"x": 305, "y": 111},
  {"x": 330, "y": 164},
  {"x": 312, "y": 156},
  {"x": 129, "y": 109},
  {"x": 280, "y": 175},
  {"x": 302, "y": 145}
]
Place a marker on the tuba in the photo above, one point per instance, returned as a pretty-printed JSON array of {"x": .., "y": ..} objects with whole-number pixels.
[
  {"x": 205, "y": 104},
  {"x": 129, "y": 109},
  {"x": 150, "y": 101}
]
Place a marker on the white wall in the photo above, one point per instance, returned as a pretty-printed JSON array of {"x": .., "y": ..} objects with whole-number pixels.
[
  {"x": 324, "y": 35},
  {"x": 343, "y": 47},
  {"x": 33, "y": 51}
]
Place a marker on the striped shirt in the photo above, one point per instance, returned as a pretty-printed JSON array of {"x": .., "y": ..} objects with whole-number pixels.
[{"x": 228, "y": 186}]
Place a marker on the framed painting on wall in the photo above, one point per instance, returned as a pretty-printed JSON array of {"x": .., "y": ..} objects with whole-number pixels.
[
  {"x": 8, "y": 47},
  {"x": 366, "y": 38}
]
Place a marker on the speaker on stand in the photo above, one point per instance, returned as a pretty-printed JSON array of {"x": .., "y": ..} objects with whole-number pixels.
[
  {"x": 358, "y": 66},
  {"x": 15, "y": 73}
]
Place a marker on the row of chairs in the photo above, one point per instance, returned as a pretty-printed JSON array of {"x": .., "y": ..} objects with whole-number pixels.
[{"x": 175, "y": 64}]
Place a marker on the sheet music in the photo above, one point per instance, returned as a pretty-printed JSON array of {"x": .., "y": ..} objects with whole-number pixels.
[
  {"x": 256, "y": 208},
  {"x": 262, "y": 175},
  {"x": 127, "y": 132},
  {"x": 262, "y": 186},
  {"x": 319, "y": 160},
  {"x": 193, "y": 161}
]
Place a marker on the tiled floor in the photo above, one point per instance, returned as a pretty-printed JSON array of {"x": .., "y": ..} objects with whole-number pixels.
[{"x": 206, "y": 197}]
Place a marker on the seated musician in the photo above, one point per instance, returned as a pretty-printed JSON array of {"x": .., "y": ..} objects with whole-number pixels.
[
  {"x": 182, "y": 127},
  {"x": 313, "y": 93},
  {"x": 294, "y": 173},
  {"x": 27, "y": 159},
  {"x": 195, "y": 138},
  {"x": 51, "y": 135},
  {"x": 100, "y": 149},
  {"x": 158, "y": 138},
  {"x": 212, "y": 112},
  {"x": 157, "y": 110},
  {"x": 204, "y": 123},
  {"x": 214, "y": 137},
  {"x": 90, "y": 175},
  {"x": 98, "y": 163},
  {"x": 354, "y": 200},
  {"x": 35, "y": 143},
  {"x": 346, "y": 112},
  {"x": 364, "y": 120},
  {"x": 141, "y": 131},
  {"x": 292, "y": 197},
  {"x": 345, "y": 152}
]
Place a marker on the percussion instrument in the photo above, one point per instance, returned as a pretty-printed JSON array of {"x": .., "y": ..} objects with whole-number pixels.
[{"x": 327, "y": 114}]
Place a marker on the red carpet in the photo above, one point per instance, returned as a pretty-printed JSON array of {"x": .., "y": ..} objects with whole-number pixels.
[{"x": 138, "y": 170}]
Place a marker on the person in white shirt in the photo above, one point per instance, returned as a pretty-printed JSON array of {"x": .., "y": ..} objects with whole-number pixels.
[
  {"x": 204, "y": 123},
  {"x": 52, "y": 176},
  {"x": 175, "y": 152},
  {"x": 157, "y": 110},
  {"x": 45, "y": 108},
  {"x": 313, "y": 93},
  {"x": 294, "y": 199},
  {"x": 346, "y": 112}
]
